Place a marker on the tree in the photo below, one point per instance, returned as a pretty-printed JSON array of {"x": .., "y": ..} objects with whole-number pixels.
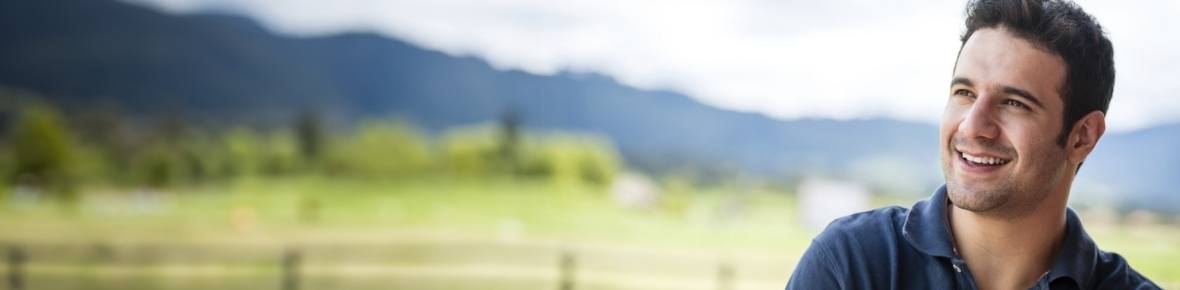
[
  {"x": 43, "y": 149},
  {"x": 509, "y": 141},
  {"x": 309, "y": 130}
]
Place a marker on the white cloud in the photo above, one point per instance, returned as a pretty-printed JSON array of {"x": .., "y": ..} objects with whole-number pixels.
[{"x": 839, "y": 59}]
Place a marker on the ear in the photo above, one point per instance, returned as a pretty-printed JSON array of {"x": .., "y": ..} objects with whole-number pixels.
[{"x": 1084, "y": 136}]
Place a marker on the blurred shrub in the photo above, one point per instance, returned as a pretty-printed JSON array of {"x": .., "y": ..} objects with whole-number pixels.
[
  {"x": 242, "y": 152},
  {"x": 472, "y": 151},
  {"x": 381, "y": 149},
  {"x": 280, "y": 155},
  {"x": 238, "y": 153},
  {"x": 158, "y": 165},
  {"x": 571, "y": 158},
  {"x": 7, "y": 162},
  {"x": 560, "y": 157},
  {"x": 167, "y": 162}
]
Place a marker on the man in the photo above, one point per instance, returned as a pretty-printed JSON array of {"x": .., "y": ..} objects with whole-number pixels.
[{"x": 1026, "y": 105}]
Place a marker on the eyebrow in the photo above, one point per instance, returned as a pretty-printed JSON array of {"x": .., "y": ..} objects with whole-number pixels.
[
  {"x": 1006, "y": 89},
  {"x": 961, "y": 81},
  {"x": 1023, "y": 94}
]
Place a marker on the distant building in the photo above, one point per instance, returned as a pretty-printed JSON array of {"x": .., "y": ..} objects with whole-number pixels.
[
  {"x": 823, "y": 200},
  {"x": 634, "y": 191}
]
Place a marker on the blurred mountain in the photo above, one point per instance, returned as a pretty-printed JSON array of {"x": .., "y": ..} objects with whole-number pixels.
[
  {"x": 86, "y": 52},
  {"x": 227, "y": 69},
  {"x": 1138, "y": 169}
]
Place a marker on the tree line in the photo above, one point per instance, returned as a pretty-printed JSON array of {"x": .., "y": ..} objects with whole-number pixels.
[{"x": 55, "y": 152}]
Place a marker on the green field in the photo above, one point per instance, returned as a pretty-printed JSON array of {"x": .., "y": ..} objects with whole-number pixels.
[{"x": 434, "y": 233}]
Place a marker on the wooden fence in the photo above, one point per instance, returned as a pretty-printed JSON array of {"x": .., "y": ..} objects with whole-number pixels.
[{"x": 291, "y": 261}]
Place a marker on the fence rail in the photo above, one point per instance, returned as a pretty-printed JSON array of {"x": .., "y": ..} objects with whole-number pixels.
[{"x": 293, "y": 266}]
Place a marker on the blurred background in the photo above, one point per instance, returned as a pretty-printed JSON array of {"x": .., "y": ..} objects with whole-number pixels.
[{"x": 507, "y": 144}]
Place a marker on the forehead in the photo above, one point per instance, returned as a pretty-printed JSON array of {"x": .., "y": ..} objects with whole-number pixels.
[{"x": 994, "y": 57}]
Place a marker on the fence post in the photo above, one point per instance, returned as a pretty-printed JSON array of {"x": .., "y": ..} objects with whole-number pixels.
[
  {"x": 290, "y": 268},
  {"x": 567, "y": 270},
  {"x": 725, "y": 277},
  {"x": 16, "y": 260}
]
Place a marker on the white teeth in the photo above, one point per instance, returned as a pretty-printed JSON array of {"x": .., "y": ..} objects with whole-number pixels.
[{"x": 983, "y": 160}]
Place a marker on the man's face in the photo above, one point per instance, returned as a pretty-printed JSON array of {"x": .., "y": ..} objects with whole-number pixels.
[{"x": 1000, "y": 125}]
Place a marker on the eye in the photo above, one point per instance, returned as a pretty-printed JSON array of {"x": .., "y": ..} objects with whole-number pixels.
[
  {"x": 1016, "y": 104},
  {"x": 964, "y": 93}
]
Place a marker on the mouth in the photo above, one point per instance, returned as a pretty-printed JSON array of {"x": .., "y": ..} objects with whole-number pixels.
[{"x": 981, "y": 162}]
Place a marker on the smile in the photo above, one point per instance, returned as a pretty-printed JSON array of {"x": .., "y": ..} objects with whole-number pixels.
[{"x": 982, "y": 160}]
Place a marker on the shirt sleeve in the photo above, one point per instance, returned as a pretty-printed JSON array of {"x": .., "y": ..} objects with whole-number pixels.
[{"x": 816, "y": 270}]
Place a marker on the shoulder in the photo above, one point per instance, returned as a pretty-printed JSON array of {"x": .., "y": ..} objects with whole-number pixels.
[
  {"x": 1111, "y": 271},
  {"x": 844, "y": 255},
  {"x": 864, "y": 239},
  {"x": 864, "y": 230}
]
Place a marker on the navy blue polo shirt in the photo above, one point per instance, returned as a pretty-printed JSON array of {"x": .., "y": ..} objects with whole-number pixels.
[{"x": 898, "y": 248}]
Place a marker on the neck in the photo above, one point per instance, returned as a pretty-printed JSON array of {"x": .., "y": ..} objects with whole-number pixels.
[{"x": 1010, "y": 252}]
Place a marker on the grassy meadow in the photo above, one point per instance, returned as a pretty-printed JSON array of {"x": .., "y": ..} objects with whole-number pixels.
[
  {"x": 408, "y": 234},
  {"x": 435, "y": 233}
]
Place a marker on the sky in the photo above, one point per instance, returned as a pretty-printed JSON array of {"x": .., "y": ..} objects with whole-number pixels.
[{"x": 843, "y": 59}]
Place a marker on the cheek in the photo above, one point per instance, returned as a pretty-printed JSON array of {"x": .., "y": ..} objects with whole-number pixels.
[
  {"x": 951, "y": 117},
  {"x": 1033, "y": 142},
  {"x": 949, "y": 110},
  {"x": 955, "y": 109}
]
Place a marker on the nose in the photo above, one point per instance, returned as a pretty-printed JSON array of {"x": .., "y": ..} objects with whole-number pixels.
[{"x": 979, "y": 122}]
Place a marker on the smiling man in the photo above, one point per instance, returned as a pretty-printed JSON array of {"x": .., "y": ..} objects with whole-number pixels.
[{"x": 1026, "y": 105}]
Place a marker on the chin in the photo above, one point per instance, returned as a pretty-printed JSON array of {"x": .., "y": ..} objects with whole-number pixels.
[{"x": 975, "y": 199}]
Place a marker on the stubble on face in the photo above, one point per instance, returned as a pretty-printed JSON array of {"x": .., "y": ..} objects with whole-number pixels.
[{"x": 1016, "y": 194}]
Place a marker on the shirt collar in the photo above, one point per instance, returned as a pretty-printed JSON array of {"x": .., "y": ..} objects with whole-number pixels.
[
  {"x": 926, "y": 228},
  {"x": 1078, "y": 253}
]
